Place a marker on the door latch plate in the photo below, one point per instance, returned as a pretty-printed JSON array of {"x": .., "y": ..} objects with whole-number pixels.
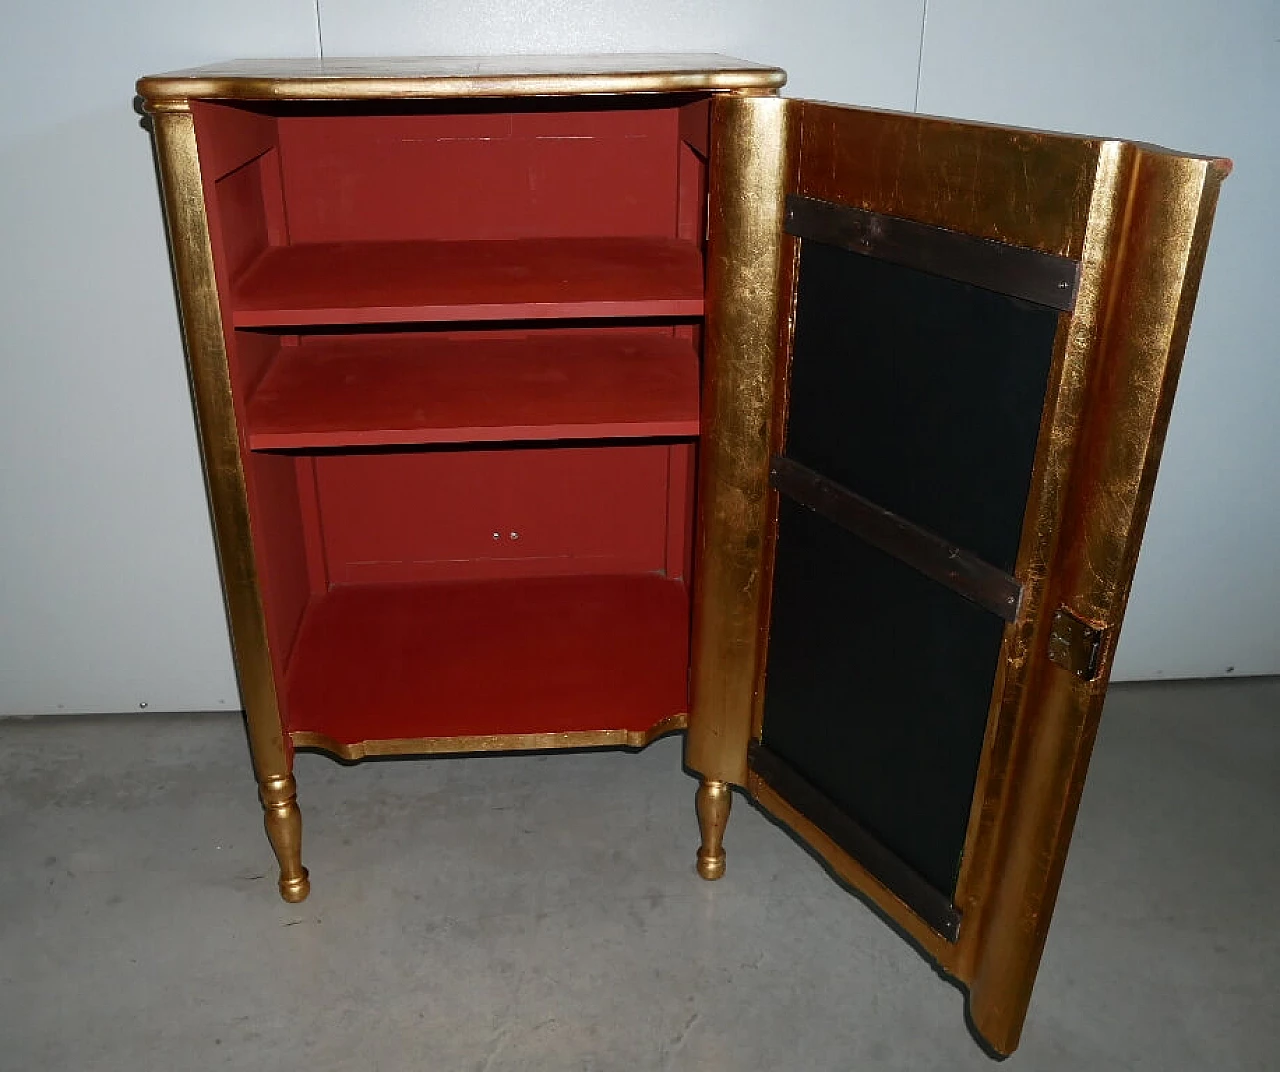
[{"x": 1076, "y": 645}]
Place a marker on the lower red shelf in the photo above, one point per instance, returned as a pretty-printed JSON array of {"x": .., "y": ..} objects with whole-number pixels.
[
  {"x": 512, "y": 657},
  {"x": 416, "y": 389}
]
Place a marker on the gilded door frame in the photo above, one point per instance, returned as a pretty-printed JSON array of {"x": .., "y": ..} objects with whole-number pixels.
[{"x": 1137, "y": 219}]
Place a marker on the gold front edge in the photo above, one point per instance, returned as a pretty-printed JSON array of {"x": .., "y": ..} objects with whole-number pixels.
[
  {"x": 210, "y": 384},
  {"x": 1143, "y": 294},
  {"x": 1062, "y": 427},
  {"x": 749, "y": 171},
  {"x": 493, "y": 742}
]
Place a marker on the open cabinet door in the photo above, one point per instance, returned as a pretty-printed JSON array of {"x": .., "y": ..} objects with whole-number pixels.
[{"x": 979, "y": 331}]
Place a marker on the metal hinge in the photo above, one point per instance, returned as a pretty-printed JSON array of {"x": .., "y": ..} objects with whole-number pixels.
[{"x": 1076, "y": 645}]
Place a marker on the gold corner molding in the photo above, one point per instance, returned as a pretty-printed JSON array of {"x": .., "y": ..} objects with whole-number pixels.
[
  {"x": 165, "y": 105},
  {"x": 493, "y": 742}
]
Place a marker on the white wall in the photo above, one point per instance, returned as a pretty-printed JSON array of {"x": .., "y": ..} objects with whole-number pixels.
[
  {"x": 108, "y": 591},
  {"x": 1199, "y": 76}
]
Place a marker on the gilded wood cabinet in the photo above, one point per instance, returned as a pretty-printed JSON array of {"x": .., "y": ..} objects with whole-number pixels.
[{"x": 565, "y": 402}]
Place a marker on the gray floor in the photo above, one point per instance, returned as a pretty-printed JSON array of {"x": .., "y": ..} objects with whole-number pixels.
[{"x": 540, "y": 912}]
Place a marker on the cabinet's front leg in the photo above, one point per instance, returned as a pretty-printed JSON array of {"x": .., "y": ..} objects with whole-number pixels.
[
  {"x": 284, "y": 831},
  {"x": 713, "y": 801}
]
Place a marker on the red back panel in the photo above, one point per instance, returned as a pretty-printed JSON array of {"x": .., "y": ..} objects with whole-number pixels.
[
  {"x": 432, "y": 515},
  {"x": 521, "y": 174}
]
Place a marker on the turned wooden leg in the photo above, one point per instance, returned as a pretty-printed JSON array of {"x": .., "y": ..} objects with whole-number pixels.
[
  {"x": 284, "y": 831},
  {"x": 713, "y": 802}
]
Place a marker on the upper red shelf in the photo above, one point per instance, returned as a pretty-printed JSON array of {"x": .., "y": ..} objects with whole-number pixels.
[
  {"x": 515, "y": 279},
  {"x": 363, "y": 391}
]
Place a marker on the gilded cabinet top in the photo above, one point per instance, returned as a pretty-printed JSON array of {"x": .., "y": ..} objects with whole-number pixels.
[{"x": 459, "y": 76}]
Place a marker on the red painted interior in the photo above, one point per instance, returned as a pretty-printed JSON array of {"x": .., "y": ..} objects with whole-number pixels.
[
  {"x": 352, "y": 391},
  {"x": 543, "y": 655},
  {"x": 568, "y": 170},
  {"x": 230, "y": 137},
  {"x": 682, "y": 486},
  {"x": 280, "y": 542},
  {"x": 394, "y": 608},
  {"x": 503, "y": 279},
  {"x": 239, "y": 197},
  {"x": 240, "y": 221},
  {"x": 312, "y": 531},
  {"x": 431, "y": 515}
]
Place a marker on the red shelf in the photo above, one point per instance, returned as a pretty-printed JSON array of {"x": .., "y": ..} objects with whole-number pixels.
[
  {"x": 378, "y": 391},
  {"x": 541, "y": 655},
  {"x": 515, "y": 279}
]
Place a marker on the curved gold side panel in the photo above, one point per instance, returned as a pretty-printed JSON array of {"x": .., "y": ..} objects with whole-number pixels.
[
  {"x": 189, "y": 241},
  {"x": 498, "y": 742},
  {"x": 1144, "y": 292},
  {"x": 188, "y": 225}
]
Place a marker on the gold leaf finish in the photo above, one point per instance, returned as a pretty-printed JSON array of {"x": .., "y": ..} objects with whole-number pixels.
[
  {"x": 1143, "y": 294},
  {"x": 495, "y": 742},
  {"x": 224, "y": 473},
  {"x": 1060, "y": 428},
  {"x": 219, "y": 437},
  {"x": 284, "y": 831},
  {"x": 1024, "y": 187},
  {"x": 713, "y": 801},
  {"x": 1138, "y": 220},
  {"x": 749, "y": 170},
  {"x": 413, "y": 77}
]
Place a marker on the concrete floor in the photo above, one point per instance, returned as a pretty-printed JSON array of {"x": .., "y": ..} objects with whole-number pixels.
[{"x": 541, "y": 912}]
